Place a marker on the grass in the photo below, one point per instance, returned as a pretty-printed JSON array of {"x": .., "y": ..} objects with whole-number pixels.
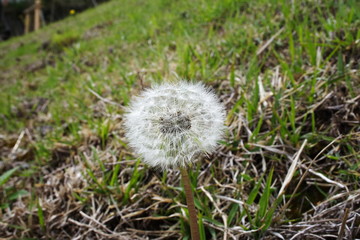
[{"x": 287, "y": 73}]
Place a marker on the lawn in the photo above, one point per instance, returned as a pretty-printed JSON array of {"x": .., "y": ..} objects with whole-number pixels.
[{"x": 287, "y": 168}]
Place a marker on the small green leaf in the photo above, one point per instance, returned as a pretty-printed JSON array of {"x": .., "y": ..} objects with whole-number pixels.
[
  {"x": 213, "y": 221},
  {"x": 115, "y": 174},
  {"x": 18, "y": 194},
  {"x": 234, "y": 209},
  {"x": 6, "y": 175},
  {"x": 41, "y": 216},
  {"x": 254, "y": 191},
  {"x": 201, "y": 228},
  {"x": 264, "y": 200}
]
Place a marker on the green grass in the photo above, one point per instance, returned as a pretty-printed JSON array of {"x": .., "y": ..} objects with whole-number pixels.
[{"x": 288, "y": 72}]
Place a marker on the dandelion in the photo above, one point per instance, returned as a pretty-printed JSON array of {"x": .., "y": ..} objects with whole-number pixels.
[{"x": 171, "y": 124}]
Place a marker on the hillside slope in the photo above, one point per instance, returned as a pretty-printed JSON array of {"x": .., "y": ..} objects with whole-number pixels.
[{"x": 288, "y": 74}]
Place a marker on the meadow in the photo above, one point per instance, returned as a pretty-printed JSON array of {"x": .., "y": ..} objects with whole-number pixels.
[{"x": 287, "y": 168}]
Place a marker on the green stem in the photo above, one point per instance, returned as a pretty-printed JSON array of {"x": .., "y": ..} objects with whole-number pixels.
[{"x": 191, "y": 205}]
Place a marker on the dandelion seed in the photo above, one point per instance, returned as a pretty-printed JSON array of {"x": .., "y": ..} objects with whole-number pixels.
[{"x": 170, "y": 124}]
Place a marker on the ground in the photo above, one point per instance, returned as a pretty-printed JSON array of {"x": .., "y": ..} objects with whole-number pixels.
[{"x": 287, "y": 168}]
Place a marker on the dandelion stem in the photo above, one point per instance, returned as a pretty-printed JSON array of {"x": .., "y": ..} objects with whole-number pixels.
[{"x": 191, "y": 205}]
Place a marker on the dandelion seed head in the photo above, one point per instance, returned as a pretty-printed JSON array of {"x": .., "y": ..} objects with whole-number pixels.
[{"x": 170, "y": 124}]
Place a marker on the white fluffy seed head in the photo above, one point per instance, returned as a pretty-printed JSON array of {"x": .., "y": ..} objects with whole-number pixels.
[{"x": 170, "y": 124}]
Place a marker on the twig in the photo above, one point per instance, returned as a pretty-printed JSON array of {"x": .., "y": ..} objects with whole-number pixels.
[
  {"x": 17, "y": 144},
  {"x": 343, "y": 224},
  {"x": 305, "y": 174},
  {"x": 322, "y": 176},
  {"x": 94, "y": 229},
  {"x": 104, "y": 99},
  {"x": 292, "y": 169},
  {"x": 263, "y": 47}
]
